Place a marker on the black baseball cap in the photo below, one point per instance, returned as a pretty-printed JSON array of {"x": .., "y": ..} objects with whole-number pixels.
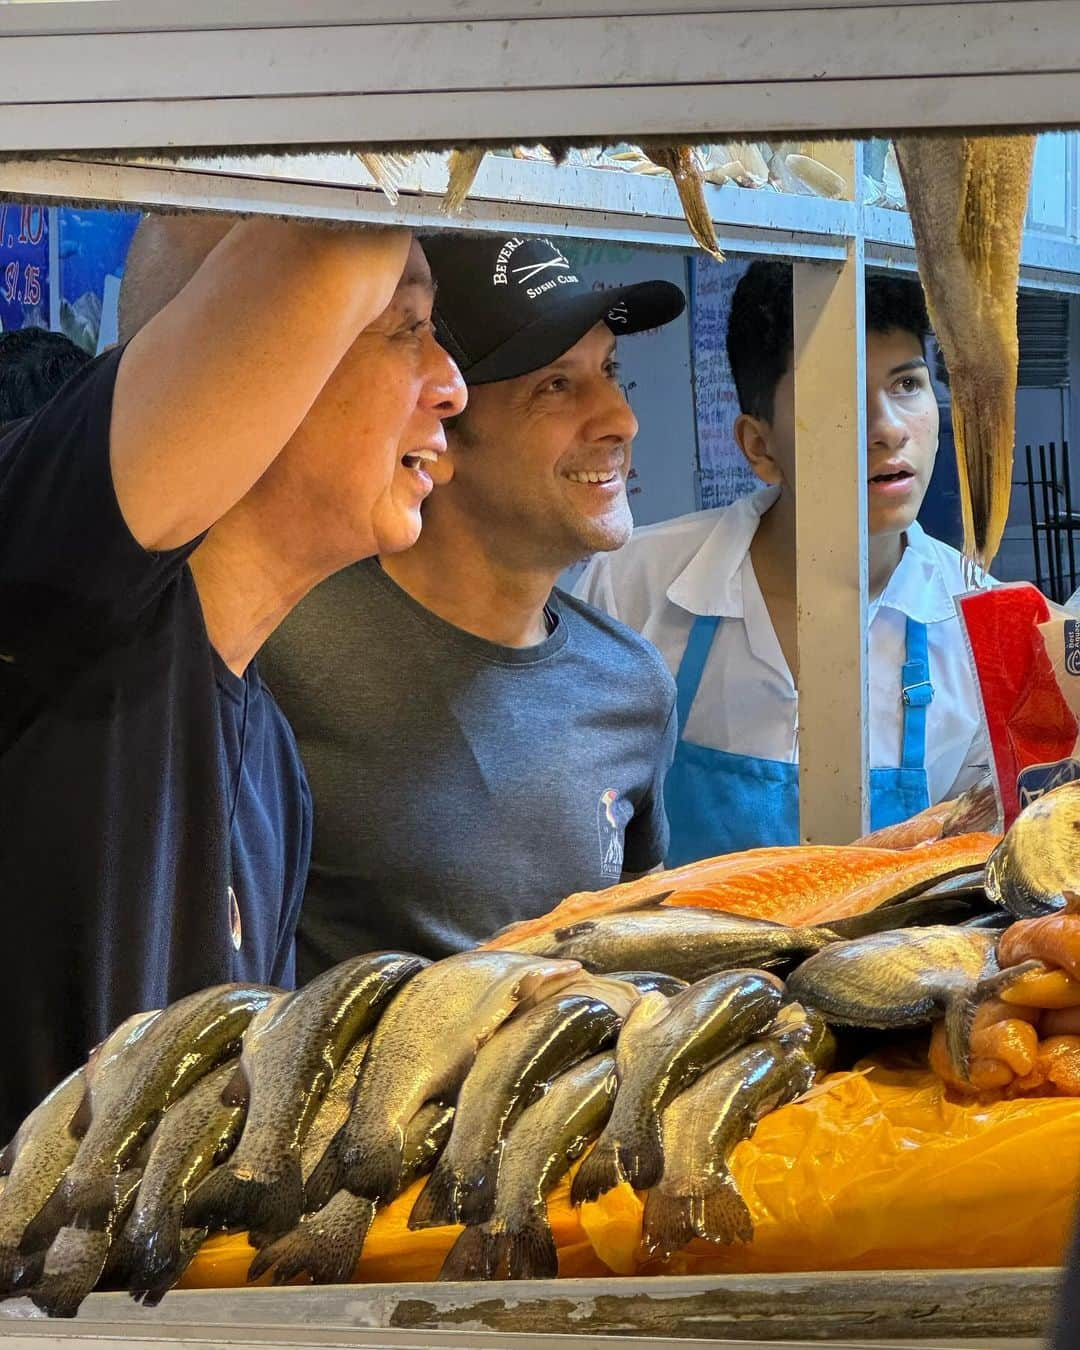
[{"x": 509, "y": 304}]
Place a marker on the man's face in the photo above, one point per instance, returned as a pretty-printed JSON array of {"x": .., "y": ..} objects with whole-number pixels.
[
  {"x": 901, "y": 430},
  {"x": 544, "y": 458},
  {"x": 366, "y": 447}
]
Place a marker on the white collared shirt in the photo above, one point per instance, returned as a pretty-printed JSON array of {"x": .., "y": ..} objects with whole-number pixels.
[{"x": 747, "y": 703}]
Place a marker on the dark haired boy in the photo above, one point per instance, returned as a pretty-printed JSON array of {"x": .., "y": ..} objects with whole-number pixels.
[{"x": 715, "y": 592}]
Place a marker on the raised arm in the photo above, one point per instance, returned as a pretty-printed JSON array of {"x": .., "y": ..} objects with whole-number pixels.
[{"x": 212, "y": 388}]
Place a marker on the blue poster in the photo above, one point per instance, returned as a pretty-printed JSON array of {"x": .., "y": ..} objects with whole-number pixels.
[
  {"x": 93, "y": 246},
  {"x": 24, "y": 265}
]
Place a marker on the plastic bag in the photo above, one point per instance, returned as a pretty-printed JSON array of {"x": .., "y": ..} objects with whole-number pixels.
[
  {"x": 875, "y": 1169},
  {"x": 1026, "y": 654}
]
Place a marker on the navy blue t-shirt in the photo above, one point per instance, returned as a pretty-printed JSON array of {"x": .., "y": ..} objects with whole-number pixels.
[{"x": 155, "y": 821}]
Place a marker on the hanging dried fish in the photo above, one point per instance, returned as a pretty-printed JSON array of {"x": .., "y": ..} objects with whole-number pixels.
[
  {"x": 464, "y": 165},
  {"x": 681, "y": 162},
  {"x": 388, "y": 171},
  {"x": 822, "y": 180},
  {"x": 968, "y": 196}
]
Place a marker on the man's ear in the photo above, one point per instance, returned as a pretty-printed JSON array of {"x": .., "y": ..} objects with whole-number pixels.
[{"x": 753, "y": 437}]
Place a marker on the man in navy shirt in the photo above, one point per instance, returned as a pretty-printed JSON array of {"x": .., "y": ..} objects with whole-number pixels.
[{"x": 269, "y": 424}]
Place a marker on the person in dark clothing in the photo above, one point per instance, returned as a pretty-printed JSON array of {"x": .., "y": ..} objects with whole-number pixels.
[
  {"x": 1066, "y": 1334},
  {"x": 34, "y": 365},
  {"x": 158, "y": 518}
]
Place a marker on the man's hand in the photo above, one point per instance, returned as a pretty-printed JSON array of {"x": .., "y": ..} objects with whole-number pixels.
[{"x": 211, "y": 390}]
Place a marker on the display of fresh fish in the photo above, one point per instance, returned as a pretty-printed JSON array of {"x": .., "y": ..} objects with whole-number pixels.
[
  {"x": 327, "y": 1244},
  {"x": 421, "y": 1050},
  {"x": 696, "y": 1195},
  {"x": 135, "y": 1078},
  {"x": 523, "y": 1056},
  {"x": 974, "y": 810},
  {"x": 540, "y": 1148},
  {"x": 77, "y": 1256},
  {"x": 157, "y": 1243},
  {"x": 688, "y": 943},
  {"x": 801, "y": 884},
  {"x": 291, "y": 1050},
  {"x": 967, "y": 198},
  {"x": 38, "y": 1157},
  {"x": 620, "y": 995},
  {"x": 1036, "y": 867},
  {"x": 665, "y": 1044},
  {"x": 904, "y": 979}
]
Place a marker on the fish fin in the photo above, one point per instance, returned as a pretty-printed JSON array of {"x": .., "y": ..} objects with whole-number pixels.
[
  {"x": 92, "y": 1204},
  {"x": 721, "y": 1212},
  {"x": 598, "y": 1173},
  {"x": 667, "y": 1224},
  {"x": 326, "y": 1175},
  {"x": 325, "y": 1246},
  {"x": 231, "y": 1197},
  {"x": 47, "y": 1222},
  {"x": 964, "y": 1002},
  {"x": 478, "y": 1203},
  {"x": 152, "y": 1287},
  {"x": 72, "y": 1268},
  {"x": 904, "y": 914},
  {"x": 574, "y": 930},
  {"x": 237, "y": 1091},
  {"x": 530, "y": 1249},
  {"x": 474, "y": 1256},
  {"x": 376, "y": 1169},
  {"x": 438, "y": 1204},
  {"x": 641, "y": 1159}
]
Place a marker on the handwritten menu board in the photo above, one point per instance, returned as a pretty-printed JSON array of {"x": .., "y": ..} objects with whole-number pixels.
[
  {"x": 723, "y": 473},
  {"x": 24, "y": 265}
]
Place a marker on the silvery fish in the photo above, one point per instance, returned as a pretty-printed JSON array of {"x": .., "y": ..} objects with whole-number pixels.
[
  {"x": 540, "y": 1148},
  {"x": 290, "y": 1053},
  {"x": 687, "y": 943},
  {"x": 327, "y": 1244},
  {"x": 665, "y": 1044},
  {"x": 1036, "y": 867},
  {"x": 523, "y": 1055},
  {"x": 132, "y": 1085},
  {"x": 420, "y": 1051}
]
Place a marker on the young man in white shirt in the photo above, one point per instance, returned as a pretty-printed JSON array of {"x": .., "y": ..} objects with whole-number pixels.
[{"x": 715, "y": 592}]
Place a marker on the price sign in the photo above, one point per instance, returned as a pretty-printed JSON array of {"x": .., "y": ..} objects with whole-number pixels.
[{"x": 24, "y": 265}]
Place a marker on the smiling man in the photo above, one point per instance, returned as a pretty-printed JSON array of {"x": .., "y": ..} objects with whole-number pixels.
[
  {"x": 478, "y": 743},
  {"x": 715, "y": 591}
]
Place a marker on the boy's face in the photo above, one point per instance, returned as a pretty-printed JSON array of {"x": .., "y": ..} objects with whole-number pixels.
[{"x": 901, "y": 432}]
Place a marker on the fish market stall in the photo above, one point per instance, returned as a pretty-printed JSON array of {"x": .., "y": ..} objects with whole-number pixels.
[{"x": 821, "y": 1092}]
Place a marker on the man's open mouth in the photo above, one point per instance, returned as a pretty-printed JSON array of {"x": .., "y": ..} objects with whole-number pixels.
[
  {"x": 896, "y": 477},
  {"x": 415, "y": 458},
  {"x": 593, "y": 476}
]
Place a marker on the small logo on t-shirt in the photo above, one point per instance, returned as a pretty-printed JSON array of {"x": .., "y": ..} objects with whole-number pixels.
[
  {"x": 234, "y": 921},
  {"x": 613, "y": 813}
]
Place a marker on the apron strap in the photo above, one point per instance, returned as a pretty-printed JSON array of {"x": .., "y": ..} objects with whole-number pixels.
[
  {"x": 917, "y": 691},
  {"x": 688, "y": 676}
]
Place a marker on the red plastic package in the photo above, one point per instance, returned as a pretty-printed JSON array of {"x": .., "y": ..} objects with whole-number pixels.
[{"x": 1026, "y": 655}]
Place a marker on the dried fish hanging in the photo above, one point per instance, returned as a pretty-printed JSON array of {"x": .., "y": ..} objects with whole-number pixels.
[
  {"x": 967, "y": 196},
  {"x": 463, "y": 167},
  {"x": 388, "y": 171},
  {"x": 682, "y": 163}
]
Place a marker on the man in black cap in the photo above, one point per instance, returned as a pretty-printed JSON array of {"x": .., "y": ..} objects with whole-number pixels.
[{"x": 478, "y": 743}]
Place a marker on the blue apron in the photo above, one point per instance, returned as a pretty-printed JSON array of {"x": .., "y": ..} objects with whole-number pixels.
[{"x": 719, "y": 802}]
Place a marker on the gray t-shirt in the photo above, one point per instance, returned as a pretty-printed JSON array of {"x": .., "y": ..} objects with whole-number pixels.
[{"x": 458, "y": 784}]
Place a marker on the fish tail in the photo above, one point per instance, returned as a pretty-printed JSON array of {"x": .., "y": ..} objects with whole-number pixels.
[
  {"x": 641, "y": 1158},
  {"x": 18, "y": 1269},
  {"x": 150, "y": 1290},
  {"x": 963, "y": 1002},
  {"x": 598, "y": 1173},
  {"x": 376, "y": 1169},
  {"x": 668, "y": 1222},
  {"x": 325, "y": 1246},
  {"x": 53, "y": 1215},
  {"x": 231, "y": 1197},
  {"x": 93, "y": 1203},
  {"x": 72, "y": 1268},
  {"x": 326, "y": 1175},
  {"x": 530, "y": 1249},
  {"x": 463, "y": 167},
  {"x": 721, "y": 1214},
  {"x": 152, "y": 1252},
  {"x": 475, "y": 1255},
  {"x": 478, "y": 1203},
  {"x": 438, "y": 1203}
]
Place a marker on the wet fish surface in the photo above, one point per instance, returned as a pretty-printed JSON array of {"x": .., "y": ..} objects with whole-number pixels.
[
  {"x": 136, "y": 1081},
  {"x": 290, "y": 1053},
  {"x": 523, "y": 1055},
  {"x": 77, "y": 1256},
  {"x": 664, "y": 1046},
  {"x": 540, "y": 1148},
  {"x": 1036, "y": 867},
  {"x": 686, "y": 943},
  {"x": 327, "y": 1245},
  {"x": 421, "y": 1050}
]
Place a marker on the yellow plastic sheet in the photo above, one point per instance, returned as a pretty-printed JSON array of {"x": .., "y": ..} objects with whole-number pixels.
[{"x": 874, "y": 1170}]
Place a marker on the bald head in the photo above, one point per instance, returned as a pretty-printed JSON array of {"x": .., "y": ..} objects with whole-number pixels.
[{"x": 165, "y": 254}]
